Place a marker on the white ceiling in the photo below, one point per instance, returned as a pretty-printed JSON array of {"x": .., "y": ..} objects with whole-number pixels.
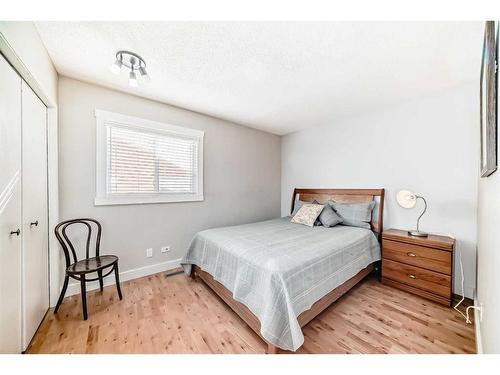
[{"x": 275, "y": 76}]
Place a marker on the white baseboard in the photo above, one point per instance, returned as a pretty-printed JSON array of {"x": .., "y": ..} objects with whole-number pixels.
[
  {"x": 477, "y": 329},
  {"x": 74, "y": 287}
]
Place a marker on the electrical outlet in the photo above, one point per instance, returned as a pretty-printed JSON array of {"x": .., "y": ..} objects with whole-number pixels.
[
  {"x": 149, "y": 252},
  {"x": 165, "y": 249}
]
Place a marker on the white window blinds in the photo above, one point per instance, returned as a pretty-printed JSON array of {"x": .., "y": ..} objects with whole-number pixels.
[
  {"x": 144, "y": 162},
  {"x": 159, "y": 163}
]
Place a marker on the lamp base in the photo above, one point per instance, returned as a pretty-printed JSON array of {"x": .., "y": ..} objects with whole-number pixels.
[{"x": 417, "y": 233}]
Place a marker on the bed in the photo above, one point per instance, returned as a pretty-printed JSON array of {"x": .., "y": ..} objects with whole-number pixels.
[{"x": 277, "y": 275}]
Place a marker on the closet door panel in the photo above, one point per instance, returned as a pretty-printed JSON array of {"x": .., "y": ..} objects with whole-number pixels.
[
  {"x": 35, "y": 244},
  {"x": 10, "y": 209}
]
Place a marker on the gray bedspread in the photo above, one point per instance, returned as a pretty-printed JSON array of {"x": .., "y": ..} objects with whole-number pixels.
[{"x": 279, "y": 269}]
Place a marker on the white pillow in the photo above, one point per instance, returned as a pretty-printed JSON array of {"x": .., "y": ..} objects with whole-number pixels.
[{"x": 307, "y": 214}]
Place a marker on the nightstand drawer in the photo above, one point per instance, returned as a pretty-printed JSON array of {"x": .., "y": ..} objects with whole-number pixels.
[
  {"x": 420, "y": 278},
  {"x": 420, "y": 256}
]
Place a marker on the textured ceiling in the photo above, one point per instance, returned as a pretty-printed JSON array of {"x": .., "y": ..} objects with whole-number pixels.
[{"x": 275, "y": 76}]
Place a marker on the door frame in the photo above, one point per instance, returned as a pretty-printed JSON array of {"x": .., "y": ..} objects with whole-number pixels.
[{"x": 52, "y": 165}]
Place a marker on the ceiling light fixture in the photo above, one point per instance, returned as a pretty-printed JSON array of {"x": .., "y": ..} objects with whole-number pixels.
[{"x": 133, "y": 62}]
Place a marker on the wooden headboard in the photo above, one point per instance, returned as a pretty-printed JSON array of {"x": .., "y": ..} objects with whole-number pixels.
[{"x": 346, "y": 196}]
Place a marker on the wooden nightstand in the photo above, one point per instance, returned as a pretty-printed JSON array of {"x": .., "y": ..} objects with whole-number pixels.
[{"x": 419, "y": 265}]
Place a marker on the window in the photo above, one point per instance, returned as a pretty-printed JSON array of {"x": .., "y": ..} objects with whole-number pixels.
[{"x": 142, "y": 161}]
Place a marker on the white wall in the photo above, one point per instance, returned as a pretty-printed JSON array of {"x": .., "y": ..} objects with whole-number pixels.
[
  {"x": 241, "y": 176},
  {"x": 488, "y": 267},
  {"x": 429, "y": 145}
]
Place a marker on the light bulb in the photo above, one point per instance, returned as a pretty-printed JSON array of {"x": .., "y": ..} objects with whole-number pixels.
[
  {"x": 132, "y": 80},
  {"x": 144, "y": 74},
  {"x": 116, "y": 67}
]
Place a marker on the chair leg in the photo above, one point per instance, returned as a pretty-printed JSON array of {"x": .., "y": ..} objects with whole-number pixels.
[
  {"x": 84, "y": 296},
  {"x": 99, "y": 273},
  {"x": 117, "y": 279},
  {"x": 63, "y": 292}
]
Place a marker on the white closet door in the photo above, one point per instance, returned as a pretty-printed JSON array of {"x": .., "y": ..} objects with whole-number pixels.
[
  {"x": 35, "y": 230},
  {"x": 10, "y": 209}
]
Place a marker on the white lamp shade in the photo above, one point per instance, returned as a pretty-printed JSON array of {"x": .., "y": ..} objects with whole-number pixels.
[
  {"x": 116, "y": 67},
  {"x": 132, "y": 79},
  {"x": 144, "y": 74},
  {"x": 406, "y": 199}
]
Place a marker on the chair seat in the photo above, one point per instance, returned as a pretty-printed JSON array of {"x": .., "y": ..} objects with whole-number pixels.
[{"x": 92, "y": 264}]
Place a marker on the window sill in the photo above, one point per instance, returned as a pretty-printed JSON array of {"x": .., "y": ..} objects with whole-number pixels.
[{"x": 127, "y": 200}]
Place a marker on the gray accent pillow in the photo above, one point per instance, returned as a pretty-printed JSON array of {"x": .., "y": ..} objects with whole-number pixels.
[
  {"x": 296, "y": 207},
  {"x": 354, "y": 214},
  {"x": 328, "y": 217}
]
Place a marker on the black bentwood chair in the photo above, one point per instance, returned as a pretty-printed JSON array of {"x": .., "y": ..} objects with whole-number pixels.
[{"x": 79, "y": 269}]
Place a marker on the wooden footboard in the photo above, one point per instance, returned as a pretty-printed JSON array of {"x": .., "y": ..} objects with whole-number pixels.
[{"x": 304, "y": 318}]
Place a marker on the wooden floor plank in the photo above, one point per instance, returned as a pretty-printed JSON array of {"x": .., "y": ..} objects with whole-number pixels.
[{"x": 176, "y": 314}]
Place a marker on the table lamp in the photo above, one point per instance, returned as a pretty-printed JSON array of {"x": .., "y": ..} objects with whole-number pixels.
[{"x": 407, "y": 199}]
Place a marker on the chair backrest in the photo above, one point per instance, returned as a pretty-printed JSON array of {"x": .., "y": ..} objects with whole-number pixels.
[{"x": 68, "y": 247}]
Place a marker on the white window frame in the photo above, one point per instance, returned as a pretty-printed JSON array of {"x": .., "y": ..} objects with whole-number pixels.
[{"x": 102, "y": 197}]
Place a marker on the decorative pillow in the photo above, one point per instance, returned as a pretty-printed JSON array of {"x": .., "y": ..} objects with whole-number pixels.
[
  {"x": 354, "y": 214},
  {"x": 328, "y": 217},
  {"x": 307, "y": 214},
  {"x": 317, "y": 223},
  {"x": 298, "y": 204}
]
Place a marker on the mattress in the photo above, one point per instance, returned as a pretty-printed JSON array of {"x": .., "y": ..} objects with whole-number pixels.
[{"x": 278, "y": 269}]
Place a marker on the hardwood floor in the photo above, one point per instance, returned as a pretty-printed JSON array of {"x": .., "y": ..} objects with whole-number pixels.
[{"x": 175, "y": 314}]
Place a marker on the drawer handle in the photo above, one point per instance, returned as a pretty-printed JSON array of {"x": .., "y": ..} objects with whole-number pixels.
[
  {"x": 412, "y": 276},
  {"x": 16, "y": 232},
  {"x": 35, "y": 223},
  {"x": 411, "y": 254}
]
